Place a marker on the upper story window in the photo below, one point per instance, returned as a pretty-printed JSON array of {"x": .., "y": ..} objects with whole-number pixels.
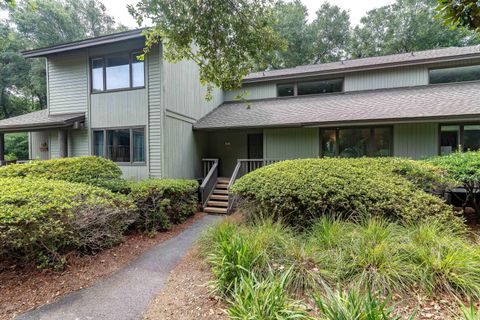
[
  {"x": 309, "y": 87},
  {"x": 456, "y": 74},
  {"x": 122, "y": 71}
]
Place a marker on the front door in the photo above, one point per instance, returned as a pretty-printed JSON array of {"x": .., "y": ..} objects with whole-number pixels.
[{"x": 255, "y": 146}]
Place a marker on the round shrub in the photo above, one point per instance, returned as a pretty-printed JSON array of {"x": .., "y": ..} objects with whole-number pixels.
[
  {"x": 90, "y": 170},
  {"x": 299, "y": 191},
  {"x": 162, "y": 202},
  {"x": 42, "y": 220}
]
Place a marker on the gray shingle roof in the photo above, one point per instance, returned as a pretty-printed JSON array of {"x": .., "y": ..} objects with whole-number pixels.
[
  {"x": 39, "y": 119},
  {"x": 388, "y": 105},
  {"x": 367, "y": 63},
  {"x": 86, "y": 43}
]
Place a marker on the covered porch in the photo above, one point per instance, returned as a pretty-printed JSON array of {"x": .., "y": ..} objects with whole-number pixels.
[{"x": 50, "y": 136}]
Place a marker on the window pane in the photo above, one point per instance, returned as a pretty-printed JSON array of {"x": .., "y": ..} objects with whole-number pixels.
[
  {"x": 285, "y": 90},
  {"x": 98, "y": 143},
  {"x": 118, "y": 75},
  {"x": 118, "y": 145},
  {"x": 382, "y": 144},
  {"x": 329, "y": 143},
  {"x": 353, "y": 142},
  {"x": 471, "y": 138},
  {"x": 138, "y": 71},
  {"x": 449, "y": 139},
  {"x": 97, "y": 74},
  {"x": 323, "y": 86},
  {"x": 138, "y": 145},
  {"x": 456, "y": 74}
]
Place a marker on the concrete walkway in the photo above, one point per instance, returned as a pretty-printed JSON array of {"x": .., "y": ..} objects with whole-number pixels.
[{"x": 127, "y": 293}]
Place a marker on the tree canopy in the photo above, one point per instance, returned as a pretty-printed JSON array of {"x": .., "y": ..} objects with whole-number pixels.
[
  {"x": 404, "y": 26},
  {"x": 226, "y": 38},
  {"x": 460, "y": 13}
]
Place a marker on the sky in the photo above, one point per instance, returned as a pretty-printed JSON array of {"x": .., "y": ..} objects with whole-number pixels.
[{"x": 357, "y": 8}]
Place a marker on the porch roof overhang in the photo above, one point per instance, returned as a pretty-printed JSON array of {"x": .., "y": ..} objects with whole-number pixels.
[
  {"x": 40, "y": 120},
  {"x": 448, "y": 102}
]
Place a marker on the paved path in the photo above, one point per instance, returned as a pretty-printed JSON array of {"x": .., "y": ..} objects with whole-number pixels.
[{"x": 127, "y": 293}]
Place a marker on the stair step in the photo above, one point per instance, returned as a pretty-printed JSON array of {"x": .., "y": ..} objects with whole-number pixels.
[
  {"x": 215, "y": 210},
  {"x": 220, "y": 191},
  {"x": 223, "y": 180},
  {"x": 218, "y": 197},
  {"x": 222, "y": 204},
  {"x": 221, "y": 186}
]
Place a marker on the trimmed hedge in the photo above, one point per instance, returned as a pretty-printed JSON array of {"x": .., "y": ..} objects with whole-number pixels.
[
  {"x": 95, "y": 171},
  {"x": 41, "y": 220},
  {"x": 162, "y": 202},
  {"x": 299, "y": 191}
]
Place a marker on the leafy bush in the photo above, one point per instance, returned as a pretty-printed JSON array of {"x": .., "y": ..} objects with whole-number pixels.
[
  {"x": 161, "y": 202},
  {"x": 254, "y": 298},
  {"x": 300, "y": 191},
  {"x": 90, "y": 170},
  {"x": 41, "y": 220},
  {"x": 465, "y": 168}
]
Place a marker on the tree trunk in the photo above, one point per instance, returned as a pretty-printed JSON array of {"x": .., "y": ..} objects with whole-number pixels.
[{"x": 3, "y": 103}]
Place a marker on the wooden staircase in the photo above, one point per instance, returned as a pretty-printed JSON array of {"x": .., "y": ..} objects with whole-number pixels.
[{"x": 218, "y": 200}]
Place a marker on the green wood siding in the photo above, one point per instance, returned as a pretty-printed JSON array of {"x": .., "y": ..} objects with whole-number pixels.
[
  {"x": 228, "y": 146},
  {"x": 183, "y": 103},
  {"x": 119, "y": 109},
  {"x": 68, "y": 83},
  {"x": 291, "y": 143},
  {"x": 134, "y": 172},
  {"x": 78, "y": 143},
  {"x": 415, "y": 140},
  {"x": 257, "y": 91},
  {"x": 390, "y": 78},
  {"x": 183, "y": 150},
  {"x": 183, "y": 93},
  {"x": 155, "y": 114}
]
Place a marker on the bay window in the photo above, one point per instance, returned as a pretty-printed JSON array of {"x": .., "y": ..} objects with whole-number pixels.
[
  {"x": 357, "y": 142},
  {"x": 125, "y": 145},
  {"x": 116, "y": 72}
]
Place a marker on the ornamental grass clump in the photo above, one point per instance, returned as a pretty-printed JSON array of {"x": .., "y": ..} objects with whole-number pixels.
[
  {"x": 163, "y": 202},
  {"x": 264, "y": 298},
  {"x": 446, "y": 261},
  {"x": 43, "y": 220},
  {"x": 300, "y": 191}
]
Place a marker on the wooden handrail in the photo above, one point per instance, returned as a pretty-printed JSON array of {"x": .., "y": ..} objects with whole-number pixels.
[{"x": 210, "y": 180}]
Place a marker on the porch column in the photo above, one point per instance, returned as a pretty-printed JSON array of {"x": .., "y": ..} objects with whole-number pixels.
[
  {"x": 63, "y": 143},
  {"x": 2, "y": 147}
]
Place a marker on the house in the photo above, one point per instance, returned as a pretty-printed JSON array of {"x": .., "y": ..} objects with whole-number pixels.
[{"x": 150, "y": 116}]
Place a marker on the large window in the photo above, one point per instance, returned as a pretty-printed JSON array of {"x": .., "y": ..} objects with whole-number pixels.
[
  {"x": 123, "y": 71},
  {"x": 309, "y": 87},
  {"x": 456, "y": 74},
  {"x": 120, "y": 145},
  {"x": 459, "y": 138},
  {"x": 357, "y": 142}
]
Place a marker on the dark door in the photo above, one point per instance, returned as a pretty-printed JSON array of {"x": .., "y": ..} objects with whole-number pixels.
[{"x": 255, "y": 146}]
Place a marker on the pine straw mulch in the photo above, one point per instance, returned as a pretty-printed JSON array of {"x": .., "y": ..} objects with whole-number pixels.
[
  {"x": 25, "y": 288},
  {"x": 187, "y": 294}
]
